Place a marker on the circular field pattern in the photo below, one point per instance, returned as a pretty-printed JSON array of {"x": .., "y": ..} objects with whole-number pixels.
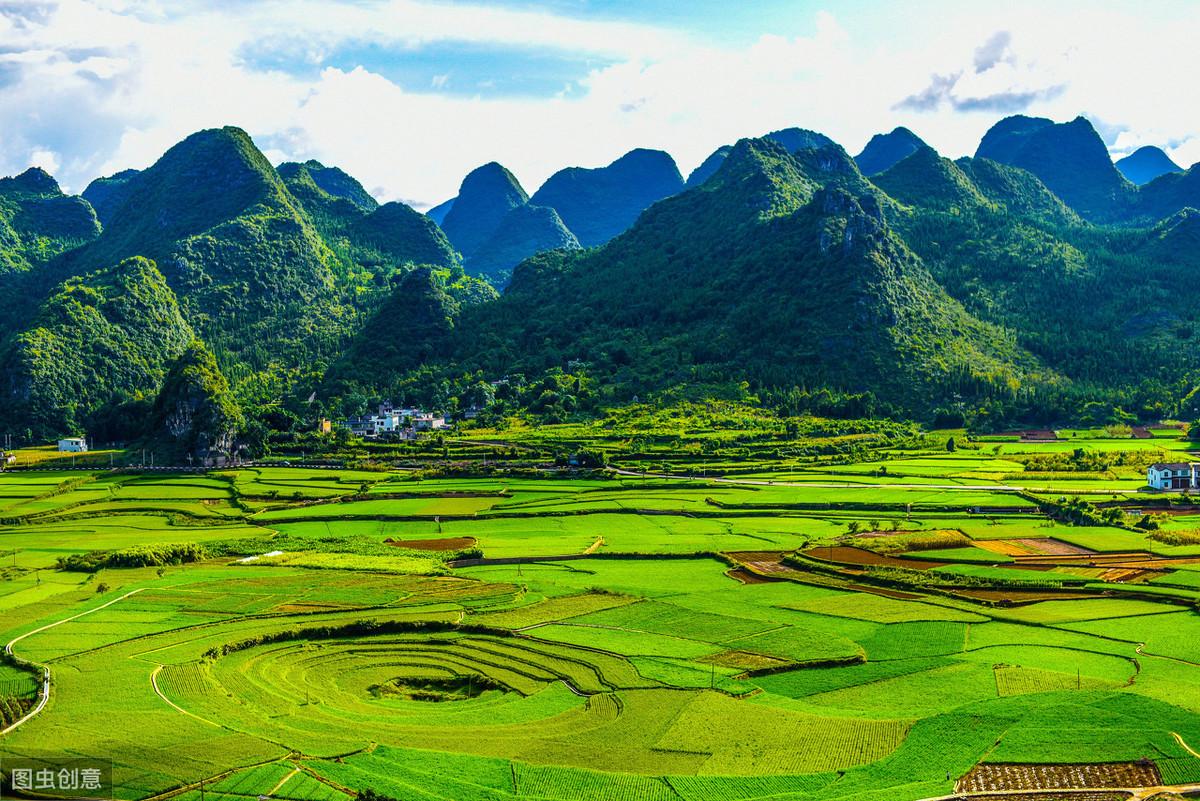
[{"x": 333, "y": 695}]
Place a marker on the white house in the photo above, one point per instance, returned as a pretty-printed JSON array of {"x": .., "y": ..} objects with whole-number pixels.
[
  {"x": 390, "y": 420},
  {"x": 1173, "y": 475},
  {"x": 72, "y": 445},
  {"x": 427, "y": 421}
]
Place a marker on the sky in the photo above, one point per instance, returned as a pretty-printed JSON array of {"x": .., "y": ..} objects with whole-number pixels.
[{"x": 410, "y": 95}]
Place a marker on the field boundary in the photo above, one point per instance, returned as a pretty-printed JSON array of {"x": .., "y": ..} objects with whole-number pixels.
[{"x": 44, "y": 694}]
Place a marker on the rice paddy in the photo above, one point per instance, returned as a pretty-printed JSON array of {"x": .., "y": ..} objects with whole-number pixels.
[{"x": 893, "y": 627}]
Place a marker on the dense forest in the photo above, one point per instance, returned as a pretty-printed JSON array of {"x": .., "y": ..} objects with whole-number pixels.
[{"x": 1032, "y": 283}]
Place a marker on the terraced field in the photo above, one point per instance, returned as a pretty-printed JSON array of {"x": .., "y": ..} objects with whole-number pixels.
[{"x": 799, "y": 631}]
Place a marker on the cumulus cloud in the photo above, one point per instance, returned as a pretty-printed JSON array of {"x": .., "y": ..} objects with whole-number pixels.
[
  {"x": 998, "y": 82},
  {"x": 103, "y": 85}
]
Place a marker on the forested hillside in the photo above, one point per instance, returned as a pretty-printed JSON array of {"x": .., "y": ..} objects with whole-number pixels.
[{"x": 1030, "y": 283}]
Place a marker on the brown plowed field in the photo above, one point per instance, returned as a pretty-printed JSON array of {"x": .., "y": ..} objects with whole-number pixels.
[
  {"x": 987, "y": 777},
  {"x": 444, "y": 544},
  {"x": 844, "y": 554},
  {"x": 1099, "y": 795},
  {"x": 1021, "y": 596},
  {"x": 1033, "y": 546},
  {"x": 747, "y": 577}
]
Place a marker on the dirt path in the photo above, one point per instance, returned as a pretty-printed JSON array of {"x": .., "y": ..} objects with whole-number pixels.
[
  {"x": 154, "y": 684},
  {"x": 759, "y": 482},
  {"x": 1183, "y": 744},
  {"x": 282, "y": 782}
]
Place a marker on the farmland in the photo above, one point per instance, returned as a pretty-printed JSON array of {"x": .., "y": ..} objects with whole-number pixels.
[{"x": 857, "y": 615}]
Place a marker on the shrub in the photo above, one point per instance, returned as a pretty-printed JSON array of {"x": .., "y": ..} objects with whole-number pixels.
[{"x": 1187, "y": 537}]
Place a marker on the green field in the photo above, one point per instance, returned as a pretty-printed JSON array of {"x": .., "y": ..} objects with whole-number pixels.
[{"x": 309, "y": 634}]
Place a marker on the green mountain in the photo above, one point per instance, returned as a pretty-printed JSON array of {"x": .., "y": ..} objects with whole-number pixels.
[
  {"x": 599, "y": 203},
  {"x": 792, "y": 139},
  {"x": 1098, "y": 306},
  {"x": 413, "y": 326},
  {"x": 778, "y": 270},
  {"x": 1018, "y": 191},
  {"x": 1145, "y": 164},
  {"x": 708, "y": 168},
  {"x": 1168, "y": 194},
  {"x": 925, "y": 178},
  {"x": 1069, "y": 158},
  {"x": 524, "y": 231},
  {"x": 107, "y": 194},
  {"x": 251, "y": 272},
  {"x": 195, "y": 415},
  {"x": 94, "y": 353},
  {"x": 487, "y": 194},
  {"x": 885, "y": 150},
  {"x": 38, "y": 222},
  {"x": 383, "y": 239},
  {"x": 331, "y": 180}
]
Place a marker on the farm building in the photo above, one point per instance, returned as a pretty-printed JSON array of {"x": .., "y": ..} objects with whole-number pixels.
[
  {"x": 72, "y": 445},
  {"x": 400, "y": 422},
  {"x": 1173, "y": 475}
]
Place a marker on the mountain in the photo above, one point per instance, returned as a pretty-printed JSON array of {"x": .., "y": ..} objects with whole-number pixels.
[
  {"x": 425, "y": 309},
  {"x": 486, "y": 195},
  {"x": 195, "y": 415},
  {"x": 796, "y": 139},
  {"x": 1167, "y": 194},
  {"x": 778, "y": 270},
  {"x": 382, "y": 240},
  {"x": 249, "y": 268},
  {"x": 925, "y": 178},
  {"x": 884, "y": 150},
  {"x": 524, "y": 231},
  {"x": 708, "y": 168},
  {"x": 98, "y": 342},
  {"x": 597, "y": 204},
  {"x": 406, "y": 236},
  {"x": 38, "y": 222},
  {"x": 1177, "y": 238},
  {"x": 1018, "y": 191},
  {"x": 333, "y": 181},
  {"x": 107, "y": 194},
  {"x": 1004, "y": 140},
  {"x": 1145, "y": 164},
  {"x": 1069, "y": 158},
  {"x": 438, "y": 213},
  {"x": 792, "y": 139}
]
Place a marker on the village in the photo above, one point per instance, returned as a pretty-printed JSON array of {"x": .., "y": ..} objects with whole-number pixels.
[{"x": 390, "y": 422}]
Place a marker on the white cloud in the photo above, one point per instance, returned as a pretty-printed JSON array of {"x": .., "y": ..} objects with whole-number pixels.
[
  {"x": 108, "y": 85},
  {"x": 45, "y": 158}
]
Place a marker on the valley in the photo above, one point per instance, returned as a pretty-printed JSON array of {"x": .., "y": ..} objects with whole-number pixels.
[{"x": 869, "y": 614}]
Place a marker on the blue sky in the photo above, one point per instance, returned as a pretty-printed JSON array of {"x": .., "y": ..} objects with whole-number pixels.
[{"x": 409, "y": 95}]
